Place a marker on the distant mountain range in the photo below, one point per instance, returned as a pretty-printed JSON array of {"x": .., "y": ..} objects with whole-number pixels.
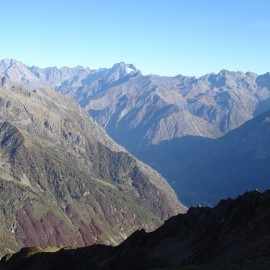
[
  {"x": 154, "y": 108},
  {"x": 233, "y": 235},
  {"x": 64, "y": 181},
  {"x": 161, "y": 119}
]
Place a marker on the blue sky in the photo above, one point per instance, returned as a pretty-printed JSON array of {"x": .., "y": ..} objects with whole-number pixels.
[{"x": 165, "y": 37}]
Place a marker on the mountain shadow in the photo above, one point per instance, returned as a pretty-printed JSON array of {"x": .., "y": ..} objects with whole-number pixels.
[
  {"x": 233, "y": 235},
  {"x": 203, "y": 171}
]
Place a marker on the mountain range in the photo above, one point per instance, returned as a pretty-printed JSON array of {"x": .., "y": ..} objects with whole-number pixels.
[
  {"x": 65, "y": 184},
  {"x": 64, "y": 181},
  {"x": 171, "y": 122},
  {"x": 121, "y": 97},
  {"x": 233, "y": 235}
]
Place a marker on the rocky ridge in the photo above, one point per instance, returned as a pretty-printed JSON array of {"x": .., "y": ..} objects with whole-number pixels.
[{"x": 232, "y": 235}]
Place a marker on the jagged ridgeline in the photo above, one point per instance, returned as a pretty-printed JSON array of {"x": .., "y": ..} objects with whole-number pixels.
[
  {"x": 233, "y": 235},
  {"x": 64, "y": 181}
]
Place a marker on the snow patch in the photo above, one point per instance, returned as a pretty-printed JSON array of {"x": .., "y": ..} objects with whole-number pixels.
[{"x": 129, "y": 70}]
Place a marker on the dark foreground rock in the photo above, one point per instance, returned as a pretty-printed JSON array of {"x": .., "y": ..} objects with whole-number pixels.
[{"x": 233, "y": 235}]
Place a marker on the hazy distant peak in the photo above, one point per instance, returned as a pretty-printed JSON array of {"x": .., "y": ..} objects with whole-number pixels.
[
  {"x": 264, "y": 80},
  {"x": 81, "y": 67},
  {"x": 65, "y": 68},
  {"x": 251, "y": 74},
  {"x": 126, "y": 68},
  {"x": 20, "y": 73},
  {"x": 228, "y": 73},
  {"x": 224, "y": 72},
  {"x": 266, "y": 75},
  {"x": 180, "y": 76},
  {"x": 8, "y": 63}
]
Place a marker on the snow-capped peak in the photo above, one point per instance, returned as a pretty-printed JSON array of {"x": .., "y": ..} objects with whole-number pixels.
[{"x": 129, "y": 70}]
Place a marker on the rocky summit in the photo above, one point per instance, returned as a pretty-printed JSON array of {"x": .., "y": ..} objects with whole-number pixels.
[
  {"x": 233, "y": 235},
  {"x": 64, "y": 181}
]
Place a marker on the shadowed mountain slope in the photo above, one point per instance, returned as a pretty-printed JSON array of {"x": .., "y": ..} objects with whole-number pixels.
[
  {"x": 209, "y": 170},
  {"x": 233, "y": 235}
]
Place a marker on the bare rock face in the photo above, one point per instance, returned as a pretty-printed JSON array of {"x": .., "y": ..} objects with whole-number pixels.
[
  {"x": 232, "y": 235},
  {"x": 64, "y": 181}
]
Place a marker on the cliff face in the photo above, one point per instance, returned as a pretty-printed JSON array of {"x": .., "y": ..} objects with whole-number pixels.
[
  {"x": 64, "y": 181},
  {"x": 232, "y": 235}
]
